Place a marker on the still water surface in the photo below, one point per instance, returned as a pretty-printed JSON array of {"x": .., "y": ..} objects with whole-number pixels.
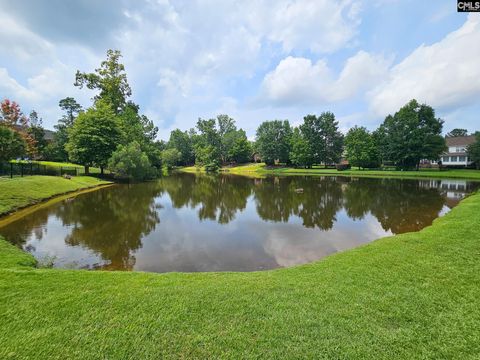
[{"x": 188, "y": 222}]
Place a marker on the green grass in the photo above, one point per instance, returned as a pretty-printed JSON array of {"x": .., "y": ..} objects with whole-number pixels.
[
  {"x": 262, "y": 169},
  {"x": 411, "y": 296},
  {"x": 23, "y": 191}
]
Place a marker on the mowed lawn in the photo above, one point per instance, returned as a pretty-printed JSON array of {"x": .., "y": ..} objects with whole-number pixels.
[
  {"x": 19, "y": 192},
  {"x": 412, "y": 296}
]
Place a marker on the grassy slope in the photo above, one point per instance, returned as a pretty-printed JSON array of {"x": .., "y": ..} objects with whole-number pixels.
[
  {"x": 23, "y": 191},
  {"x": 248, "y": 169},
  {"x": 410, "y": 296}
]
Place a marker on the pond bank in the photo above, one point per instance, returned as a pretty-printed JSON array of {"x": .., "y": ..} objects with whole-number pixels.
[
  {"x": 260, "y": 169},
  {"x": 20, "y": 192},
  {"x": 408, "y": 296}
]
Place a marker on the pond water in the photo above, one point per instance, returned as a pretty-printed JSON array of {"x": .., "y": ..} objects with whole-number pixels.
[{"x": 189, "y": 222}]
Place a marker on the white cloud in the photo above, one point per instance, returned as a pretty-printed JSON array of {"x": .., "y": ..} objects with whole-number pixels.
[
  {"x": 443, "y": 74},
  {"x": 322, "y": 26},
  {"x": 298, "y": 81}
]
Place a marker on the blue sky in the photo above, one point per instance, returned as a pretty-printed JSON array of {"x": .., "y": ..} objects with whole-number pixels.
[{"x": 254, "y": 60}]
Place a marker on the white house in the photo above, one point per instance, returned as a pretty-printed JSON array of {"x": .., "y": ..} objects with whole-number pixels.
[{"x": 457, "y": 151}]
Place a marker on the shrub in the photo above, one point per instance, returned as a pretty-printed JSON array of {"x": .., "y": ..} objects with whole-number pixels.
[
  {"x": 130, "y": 162},
  {"x": 342, "y": 167}
]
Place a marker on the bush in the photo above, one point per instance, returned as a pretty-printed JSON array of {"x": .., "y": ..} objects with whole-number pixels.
[
  {"x": 342, "y": 167},
  {"x": 130, "y": 162}
]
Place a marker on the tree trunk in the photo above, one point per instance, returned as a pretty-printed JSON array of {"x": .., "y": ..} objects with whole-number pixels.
[
  {"x": 101, "y": 170},
  {"x": 87, "y": 170}
]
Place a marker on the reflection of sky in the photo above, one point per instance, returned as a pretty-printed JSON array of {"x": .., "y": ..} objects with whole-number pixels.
[
  {"x": 51, "y": 246},
  {"x": 182, "y": 242}
]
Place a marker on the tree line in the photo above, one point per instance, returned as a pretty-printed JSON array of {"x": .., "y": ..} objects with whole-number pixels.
[{"x": 113, "y": 134}]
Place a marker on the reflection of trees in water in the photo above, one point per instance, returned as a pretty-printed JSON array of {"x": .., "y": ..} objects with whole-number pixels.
[
  {"x": 18, "y": 231},
  {"x": 399, "y": 205},
  {"x": 315, "y": 200},
  {"x": 219, "y": 197},
  {"x": 113, "y": 222}
]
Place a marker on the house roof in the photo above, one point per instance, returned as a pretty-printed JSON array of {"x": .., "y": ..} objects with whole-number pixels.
[{"x": 460, "y": 140}]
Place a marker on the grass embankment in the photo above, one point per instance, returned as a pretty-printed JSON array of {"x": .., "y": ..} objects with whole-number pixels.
[
  {"x": 406, "y": 297},
  {"x": 23, "y": 191},
  {"x": 262, "y": 169}
]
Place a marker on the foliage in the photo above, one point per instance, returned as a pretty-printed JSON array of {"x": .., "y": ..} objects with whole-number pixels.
[
  {"x": 361, "y": 149},
  {"x": 239, "y": 150},
  {"x": 273, "y": 141},
  {"x": 474, "y": 151},
  {"x": 324, "y": 138},
  {"x": 56, "y": 150},
  {"x": 301, "y": 153},
  {"x": 37, "y": 132},
  {"x": 94, "y": 136},
  {"x": 458, "y": 133},
  {"x": 12, "y": 117},
  {"x": 111, "y": 81},
  {"x": 412, "y": 134},
  {"x": 12, "y": 144},
  {"x": 182, "y": 141},
  {"x": 130, "y": 162},
  {"x": 171, "y": 157}
]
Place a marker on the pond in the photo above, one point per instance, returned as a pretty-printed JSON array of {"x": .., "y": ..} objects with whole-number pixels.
[{"x": 191, "y": 222}]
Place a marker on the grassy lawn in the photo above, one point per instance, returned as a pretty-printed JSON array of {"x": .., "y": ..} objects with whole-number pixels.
[
  {"x": 411, "y": 296},
  {"x": 23, "y": 191},
  {"x": 261, "y": 168}
]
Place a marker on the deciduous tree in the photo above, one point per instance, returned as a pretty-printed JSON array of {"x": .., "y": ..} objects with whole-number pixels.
[
  {"x": 361, "y": 149},
  {"x": 94, "y": 136},
  {"x": 273, "y": 141}
]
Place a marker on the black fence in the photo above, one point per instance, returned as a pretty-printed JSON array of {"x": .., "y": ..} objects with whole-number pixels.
[
  {"x": 14, "y": 169},
  {"x": 32, "y": 168}
]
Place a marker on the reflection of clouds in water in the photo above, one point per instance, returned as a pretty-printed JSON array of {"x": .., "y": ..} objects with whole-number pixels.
[
  {"x": 183, "y": 242},
  {"x": 54, "y": 248},
  {"x": 293, "y": 246}
]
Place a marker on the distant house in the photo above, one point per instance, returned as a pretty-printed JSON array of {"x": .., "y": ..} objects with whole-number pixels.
[{"x": 457, "y": 151}]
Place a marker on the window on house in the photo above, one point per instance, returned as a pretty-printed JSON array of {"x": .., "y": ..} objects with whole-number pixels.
[
  {"x": 453, "y": 158},
  {"x": 445, "y": 159},
  {"x": 461, "y": 158}
]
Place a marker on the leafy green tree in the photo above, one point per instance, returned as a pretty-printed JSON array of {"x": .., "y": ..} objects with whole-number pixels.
[
  {"x": 111, "y": 81},
  {"x": 301, "y": 154},
  {"x": 457, "y": 133},
  {"x": 130, "y": 162},
  {"x": 94, "y": 136},
  {"x": 241, "y": 150},
  {"x": 361, "y": 149},
  {"x": 171, "y": 157},
  {"x": 325, "y": 139},
  {"x": 12, "y": 144},
  {"x": 56, "y": 150},
  {"x": 273, "y": 141},
  {"x": 228, "y": 134},
  {"x": 37, "y": 132},
  {"x": 208, "y": 144},
  {"x": 412, "y": 134},
  {"x": 182, "y": 141},
  {"x": 474, "y": 151}
]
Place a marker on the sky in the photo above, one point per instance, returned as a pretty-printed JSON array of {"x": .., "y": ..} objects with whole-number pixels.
[{"x": 253, "y": 60}]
